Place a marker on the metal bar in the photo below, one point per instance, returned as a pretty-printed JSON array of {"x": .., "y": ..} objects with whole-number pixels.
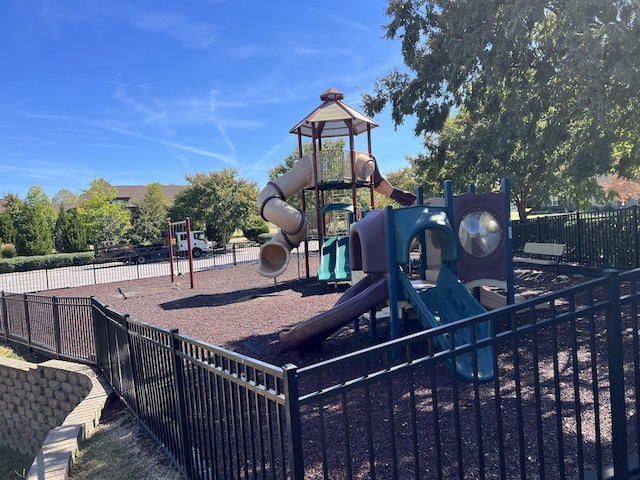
[
  {"x": 27, "y": 324},
  {"x": 56, "y": 326},
  {"x": 181, "y": 402},
  {"x": 594, "y": 382},
  {"x": 616, "y": 380},
  {"x": 537, "y": 401},
  {"x": 518, "y": 392},
  {"x": 293, "y": 422},
  {"x": 500, "y": 434},
  {"x": 558, "y": 400},
  {"x": 5, "y": 316}
]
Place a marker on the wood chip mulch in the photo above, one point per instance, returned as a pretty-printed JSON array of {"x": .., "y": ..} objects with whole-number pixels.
[{"x": 240, "y": 310}]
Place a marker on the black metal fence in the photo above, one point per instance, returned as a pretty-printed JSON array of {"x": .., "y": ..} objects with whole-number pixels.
[
  {"x": 608, "y": 239},
  {"x": 98, "y": 273},
  {"x": 563, "y": 402}
]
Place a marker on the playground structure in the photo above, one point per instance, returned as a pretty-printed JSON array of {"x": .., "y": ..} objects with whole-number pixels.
[
  {"x": 464, "y": 241},
  {"x": 177, "y": 232},
  {"x": 477, "y": 245},
  {"x": 328, "y": 175}
]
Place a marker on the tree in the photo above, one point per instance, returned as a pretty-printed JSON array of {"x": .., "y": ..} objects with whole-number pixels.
[
  {"x": 65, "y": 197},
  {"x": 255, "y": 227},
  {"x": 218, "y": 202},
  {"x": 465, "y": 154},
  {"x": 547, "y": 93},
  {"x": 151, "y": 216},
  {"x": 70, "y": 231},
  {"x": 9, "y": 218},
  {"x": 7, "y": 228},
  {"x": 106, "y": 221},
  {"x": 35, "y": 224},
  {"x": 621, "y": 190},
  {"x": 62, "y": 226}
]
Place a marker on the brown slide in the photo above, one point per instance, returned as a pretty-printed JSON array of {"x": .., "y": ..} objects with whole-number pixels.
[{"x": 358, "y": 299}]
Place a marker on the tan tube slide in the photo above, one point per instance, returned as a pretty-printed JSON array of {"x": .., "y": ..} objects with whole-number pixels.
[
  {"x": 272, "y": 202},
  {"x": 274, "y": 255}
]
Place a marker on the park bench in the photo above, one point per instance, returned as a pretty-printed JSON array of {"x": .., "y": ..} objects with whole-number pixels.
[{"x": 541, "y": 254}]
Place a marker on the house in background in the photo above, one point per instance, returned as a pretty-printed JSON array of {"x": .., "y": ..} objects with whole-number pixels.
[{"x": 131, "y": 195}]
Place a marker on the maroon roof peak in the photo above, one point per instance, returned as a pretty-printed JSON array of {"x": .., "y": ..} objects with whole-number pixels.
[{"x": 332, "y": 94}]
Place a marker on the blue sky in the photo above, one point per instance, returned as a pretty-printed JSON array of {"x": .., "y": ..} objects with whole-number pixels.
[{"x": 147, "y": 91}]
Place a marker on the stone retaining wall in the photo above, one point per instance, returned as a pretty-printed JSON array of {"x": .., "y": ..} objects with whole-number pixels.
[{"x": 46, "y": 409}]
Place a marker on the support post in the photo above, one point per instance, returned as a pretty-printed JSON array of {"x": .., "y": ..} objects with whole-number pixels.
[
  {"x": 616, "y": 379},
  {"x": 170, "y": 240},
  {"x": 190, "y": 252},
  {"x": 182, "y": 421},
  {"x": 294, "y": 425},
  {"x": 56, "y": 326}
]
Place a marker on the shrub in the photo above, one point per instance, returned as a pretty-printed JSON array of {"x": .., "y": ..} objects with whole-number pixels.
[
  {"x": 8, "y": 250},
  {"x": 38, "y": 262},
  {"x": 253, "y": 232},
  {"x": 264, "y": 238}
]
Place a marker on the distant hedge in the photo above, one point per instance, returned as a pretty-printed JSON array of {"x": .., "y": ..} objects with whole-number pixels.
[
  {"x": 39, "y": 262},
  {"x": 264, "y": 238}
]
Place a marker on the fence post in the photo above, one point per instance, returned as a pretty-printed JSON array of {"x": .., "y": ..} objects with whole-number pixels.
[
  {"x": 578, "y": 238},
  {"x": 5, "y": 317},
  {"x": 636, "y": 245},
  {"x": 27, "y": 323},
  {"x": 294, "y": 425},
  {"x": 98, "y": 329},
  {"x": 235, "y": 258},
  {"x": 110, "y": 348},
  {"x": 616, "y": 379},
  {"x": 183, "y": 423},
  {"x": 56, "y": 326}
]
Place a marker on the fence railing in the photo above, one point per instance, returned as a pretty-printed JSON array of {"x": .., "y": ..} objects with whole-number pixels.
[
  {"x": 555, "y": 409},
  {"x": 563, "y": 401},
  {"x": 98, "y": 273},
  {"x": 608, "y": 239}
]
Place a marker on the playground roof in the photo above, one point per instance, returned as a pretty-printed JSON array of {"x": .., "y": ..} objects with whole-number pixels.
[{"x": 333, "y": 117}]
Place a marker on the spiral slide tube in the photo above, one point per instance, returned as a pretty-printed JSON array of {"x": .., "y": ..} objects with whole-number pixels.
[
  {"x": 274, "y": 255},
  {"x": 272, "y": 202}
]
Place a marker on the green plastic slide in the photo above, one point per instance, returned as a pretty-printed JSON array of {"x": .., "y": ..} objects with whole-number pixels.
[{"x": 334, "y": 260}]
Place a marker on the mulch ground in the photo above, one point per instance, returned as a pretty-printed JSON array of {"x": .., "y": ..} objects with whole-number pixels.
[{"x": 240, "y": 310}]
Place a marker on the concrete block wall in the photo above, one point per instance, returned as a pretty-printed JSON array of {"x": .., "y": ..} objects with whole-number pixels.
[{"x": 47, "y": 409}]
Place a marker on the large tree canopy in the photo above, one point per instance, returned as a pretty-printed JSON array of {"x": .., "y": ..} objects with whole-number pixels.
[
  {"x": 219, "y": 202},
  {"x": 13, "y": 205},
  {"x": 150, "y": 219},
  {"x": 545, "y": 93},
  {"x": 106, "y": 221},
  {"x": 35, "y": 224}
]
